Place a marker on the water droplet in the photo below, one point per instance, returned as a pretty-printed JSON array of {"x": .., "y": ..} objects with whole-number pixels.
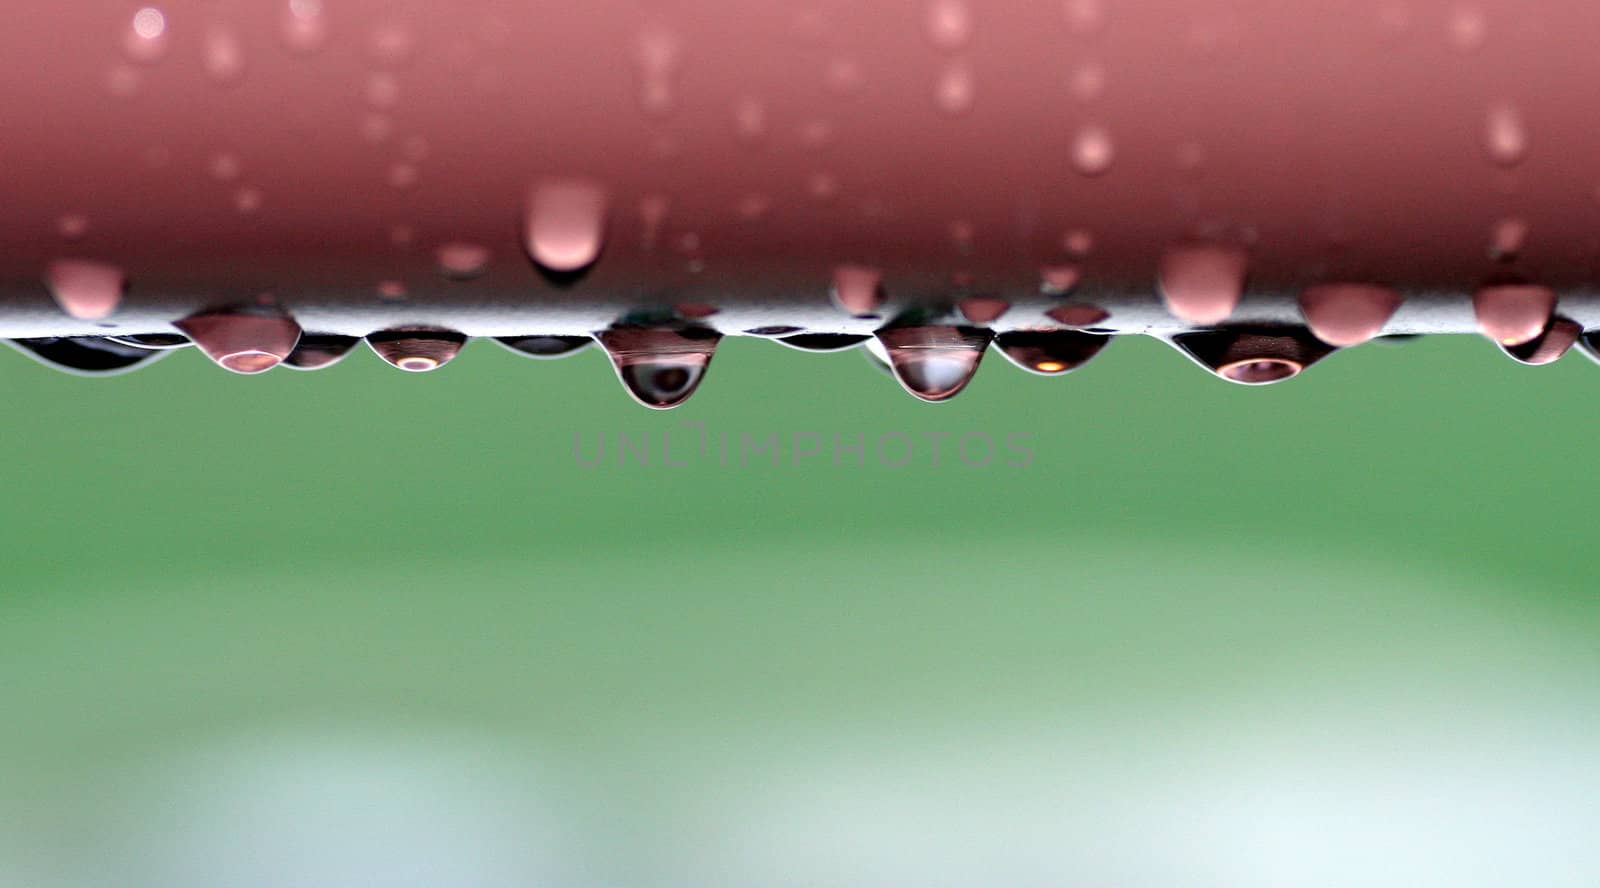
[
  {"x": 545, "y": 347},
  {"x": 1050, "y": 352},
  {"x": 1078, "y": 242},
  {"x": 146, "y": 39},
  {"x": 823, "y": 342},
  {"x": 72, "y": 226},
  {"x": 1059, "y": 280},
  {"x": 224, "y": 56},
  {"x": 303, "y": 26},
  {"x": 225, "y": 167},
  {"x": 983, "y": 309},
  {"x": 1348, "y": 314},
  {"x": 417, "y": 349},
  {"x": 660, "y": 368},
  {"x": 956, "y": 90},
  {"x": 87, "y": 355},
  {"x": 85, "y": 289},
  {"x": 1513, "y": 313},
  {"x": 1256, "y": 356},
  {"x": 1078, "y": 314},
  {"x": 948, "y": 24},
  {"x": 1085, "y": 16},
  {"x": 1468, "y": 28},
  {"x": 1088, "y": 81},
  {"x": 383, "y": 90},
  {"x": 462, "y": 261},
  {"x": 1505, "y": 137},
  {"x": 858, "y": 289},
  {"x": 242, "y": 341},
  {"x": 1203, "y": 284},
  {"x": 392, "y": 291},
  {"x": 823, "y": 187},
  {"x": 318, "y": 351},
  {"x": 1548, "y": 346},
  {"x": 750, "y": 120},
  {"x": 566, "y": 222},
  {"x": 1093, "y": 150},
  {"x": 934, "y": 363},
  {"x": 1508, "y": 238},
  {"x": 248, "y": 200}
]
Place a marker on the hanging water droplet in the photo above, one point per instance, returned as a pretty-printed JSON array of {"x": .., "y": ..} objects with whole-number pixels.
[
  {"x": 934, "y": 363},
  {"x": 1468, "y": 28},
  {"x": 983, "y": 309},
  {"x": 1508, "y": 238},
  {"x": 303, "y": 26},
  {"x": 1254, "y": 356},
  {"x": 1078, "y": 314},
  {"x": 242, "y": 340},
  {"x": 565, "y": 226},
  {"x": 1203, "y": 284},
  {"x": 1078, "y": 242},
  {"x": 462, "y": 261},
  {"x": 87, "y": 355},
  {"x": 1505, "y": 137},
  {"x": 545, "y": 347},
  {"x": 1513, "y": 313},
  {"x": 318, "y": 351},
  {"x": 956, "y": 91},
  {"x": 1548, "y": 346},
  {"x": 146, "y": 39},
  {"x": 1093, "y": 150},
  {"x": 858, "y": 289},
  {"x": 224, "y": 56},
  {"x": 85, "y": 289},
  {"x": 1050, "y": 352},
  {"x": 948, "y": 24},
  {"x": 1345, "y": 314},
  {"x": 660, "y": 368},
  {"x": 1059, "y": 280},
  {"x": 823, "y": 342},
  {"x": 416, "y": 349}
]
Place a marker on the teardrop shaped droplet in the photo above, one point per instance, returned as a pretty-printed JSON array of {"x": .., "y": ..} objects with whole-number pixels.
[
  {"x": 1513, "y": 313},
  {"x": 1548, "y": 346},
  {"x": 566, "y": 223},
  {"x": 1050, "y": 352},
  {"x": 417, "y": 349},
  {"x": 660, "y": 368},
  {"x": 1202, "y": 284},
  {"x": 934, "y": 363},
  {"x": 85, "y": 289},
  {"x": 462, "y": 261},
  {"x": 87, "y": 355},
  {"x": 243, "y": 341},
  {"x": 983, "y": 309},
  {"x": 318, "y": 351},
  {"x": 1348, "y": 314},
  {"x": 1254, "y": 356},
  {"x": 823, "y": 342},
  {"x": 545, "y": 347},
  {"x": 858, "y": 289}
]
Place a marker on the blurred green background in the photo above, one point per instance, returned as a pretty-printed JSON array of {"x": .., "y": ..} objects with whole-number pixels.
[{"x": 1359, "y": 570}]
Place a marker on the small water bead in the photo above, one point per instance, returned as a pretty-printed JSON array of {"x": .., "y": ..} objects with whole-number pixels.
[
  {"x": 1092, "y": 150},
  {"x": 963, "y": 236},
  {"x": 416, "y": 349},
  {"x": 858, "y": 289},
  {"x": 146, "y": 39},
  {"x": 1513, "y": 313},
  {"x": 934, "y": 363},
  {"x": 224, "y": 167},
  {"x": 1050, "y": 352},
  {"x": 1078, "y": 242},
  {"x": 245, "y": 342},
  {"x": 72, "y": 226},
  {"x": 948, "y": 24},
  {"x": 86, "y": 289},
  {"x": 1346, "y": 314},
  {"x": 1058, "y": 280},
  {"x": 565, "y": 224},
  {"x": 1507, "y": 238},
  {"x": 224, "y": 56},
  {"x": 955, "y": 92},
  {"x": 983, "y": 309},
  {"x": 392, "y": 291},
  {"x": 660, "y": 368},
  {"x": 1202, "y": 283},
  {"x": 303, "y": 26},
  {"x": 462, "y": 261},
  {"x": 1505, "y": 136}
]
